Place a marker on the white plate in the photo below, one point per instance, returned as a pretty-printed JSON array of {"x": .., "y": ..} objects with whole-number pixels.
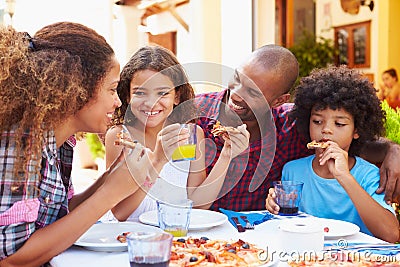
[
  {"x": 199, "y": 219},
  {"x": 338, "y": 228},
  {"x": 103, "y": 236}
]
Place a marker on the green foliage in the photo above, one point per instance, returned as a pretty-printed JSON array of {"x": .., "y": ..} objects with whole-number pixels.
[
  {"x": 313, "y": 52},
  {"x": 392, "y": 124},
  {"x": 96, "y": 147}
]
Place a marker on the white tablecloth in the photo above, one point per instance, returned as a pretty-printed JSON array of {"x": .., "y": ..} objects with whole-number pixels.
[{"x": 264, "y": 235}]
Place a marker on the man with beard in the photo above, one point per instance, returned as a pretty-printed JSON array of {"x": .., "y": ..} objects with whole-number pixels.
[{"x": 257, "y": 96}]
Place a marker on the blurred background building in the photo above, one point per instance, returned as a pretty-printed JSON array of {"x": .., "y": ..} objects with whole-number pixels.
[
  {"x": 225, "y": 31},
  {"x": 364, "y": 33}
]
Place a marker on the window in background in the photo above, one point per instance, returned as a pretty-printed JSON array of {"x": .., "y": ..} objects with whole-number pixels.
[
  {"x": 292, "y": 18},
  {"x": 354, "y": 44}
]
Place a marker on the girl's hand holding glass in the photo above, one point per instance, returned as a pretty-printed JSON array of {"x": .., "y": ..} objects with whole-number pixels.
[{"x": 169, "y": 139}]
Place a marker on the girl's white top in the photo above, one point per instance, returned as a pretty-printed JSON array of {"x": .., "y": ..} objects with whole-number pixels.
[{"x": 170, "y": 186}]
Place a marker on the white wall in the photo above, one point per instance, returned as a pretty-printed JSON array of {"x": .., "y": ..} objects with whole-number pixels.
[
  {"x": 117, "y": 24},
  {"x": 220, "y": 31},
  {"x": 125, "y": 37},
  {"x": 32, "y": 15},
  {"x": 236, "y": 31},
  {"x": 264, "y": 22}
]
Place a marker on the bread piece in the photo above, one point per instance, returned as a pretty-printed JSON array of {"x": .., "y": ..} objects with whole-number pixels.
[
  {"x": 314, "y": 144},
  {"x": 124, "y": 140},
  {"x": 219, "y": 130}
]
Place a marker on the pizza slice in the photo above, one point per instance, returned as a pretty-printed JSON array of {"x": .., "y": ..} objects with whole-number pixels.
[
  {"x": 219, "y": 130},
  {"x": 124, "y": 140},
  {"x": 122, "y": 237},
  {"x": 314, "y": 144},
  {"x": 205, "y": 252}
]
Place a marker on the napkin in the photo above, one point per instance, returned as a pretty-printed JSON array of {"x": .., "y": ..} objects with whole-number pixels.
[{"x": 254, "y": 218}]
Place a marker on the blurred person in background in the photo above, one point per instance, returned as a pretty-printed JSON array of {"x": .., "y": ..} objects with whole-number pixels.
[{"x": 390, "y": 88}]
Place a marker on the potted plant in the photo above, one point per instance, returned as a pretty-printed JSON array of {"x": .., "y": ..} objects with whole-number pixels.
[
  {"x": 96, "y": 149},
  {"x": 90, "y": 150},
  {"x": 313, "y": 52},
  {"x": 392, "y": 132},
  {"x": 392, "y": 124}
]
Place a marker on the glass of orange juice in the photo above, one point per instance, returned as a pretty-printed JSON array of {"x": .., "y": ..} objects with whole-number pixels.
[{"x": 188, "y": 150}]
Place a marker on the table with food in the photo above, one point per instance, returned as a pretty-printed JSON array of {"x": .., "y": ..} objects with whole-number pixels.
[{"x": 231, "y": 238}]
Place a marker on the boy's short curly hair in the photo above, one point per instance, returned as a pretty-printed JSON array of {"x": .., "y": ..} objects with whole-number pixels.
[{"x": 340, "y": 88}]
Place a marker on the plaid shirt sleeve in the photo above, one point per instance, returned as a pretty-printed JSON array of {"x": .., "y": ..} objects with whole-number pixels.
[
  {"x": 55, "y": 183},
  {"x": 28, "y": 210},
  {"x": 251, "y": 174}
]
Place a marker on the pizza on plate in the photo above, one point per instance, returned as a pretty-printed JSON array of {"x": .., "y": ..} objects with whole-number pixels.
[
  {"x": 219, "y": 130},
  {"x": 124, "y": 140},
  {"x": 122, "y": 237},
  {"x": 205, "y": 252},
  {"x": 314, "y": 144}
]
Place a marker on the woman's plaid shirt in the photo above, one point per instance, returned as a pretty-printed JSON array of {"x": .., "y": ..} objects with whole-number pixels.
[{"x": 18, "y": 222}]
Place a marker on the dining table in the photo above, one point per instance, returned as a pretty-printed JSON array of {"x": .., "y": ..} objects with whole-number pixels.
[{"x": 265, "y": 235}]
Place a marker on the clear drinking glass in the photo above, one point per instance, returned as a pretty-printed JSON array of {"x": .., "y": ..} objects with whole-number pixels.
[
  {"x": 174, "y": 217},
  {"x": 149, "y": 249},
  {"x": 288, "y": 195}
]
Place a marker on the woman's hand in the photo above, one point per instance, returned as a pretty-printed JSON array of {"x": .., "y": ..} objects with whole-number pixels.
[
  {"x": 382, "y": 92},
  {"x": 129, "y": 170},
  {"x": 236, "y": 143},
  {"x": 270, "y": 202}
]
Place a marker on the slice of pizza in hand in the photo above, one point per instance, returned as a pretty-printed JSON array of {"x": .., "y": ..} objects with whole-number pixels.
[
  {"x": 124, "y": 140},
  {"x": 219, "y": 130},
  {"x": 314, "y": 144}
]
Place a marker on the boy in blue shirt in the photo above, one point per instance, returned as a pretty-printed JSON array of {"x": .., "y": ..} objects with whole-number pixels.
[{"x": 339, "y": 107}]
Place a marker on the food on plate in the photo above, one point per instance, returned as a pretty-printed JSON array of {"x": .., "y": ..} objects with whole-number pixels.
[
  {"x": 219, "y": 130},
  {"x": 326, "y": 229},
  {"x": 124, "y": 140},
  {"x": 205, "y": 252},
  {"x": 122, "y": 237},
  {"x": 314, "y": 144},
  {"x": 346, "y": 258}
]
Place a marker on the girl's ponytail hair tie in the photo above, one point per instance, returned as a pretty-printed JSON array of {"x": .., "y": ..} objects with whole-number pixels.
[{"x": 31, "y": 44}]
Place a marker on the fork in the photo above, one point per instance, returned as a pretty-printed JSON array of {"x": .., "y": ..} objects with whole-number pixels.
[
  {"x": 238, "y": 226},
  {"x": 248, "y": 225}
]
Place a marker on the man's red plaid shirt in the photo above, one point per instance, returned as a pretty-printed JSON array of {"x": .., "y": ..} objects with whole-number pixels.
[{"x": 260, "y": 165}]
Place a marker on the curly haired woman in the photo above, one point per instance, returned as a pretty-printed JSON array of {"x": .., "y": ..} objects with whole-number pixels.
[
  {"x": 338, "y": 107},
  {"x": 60, "y": 82}
]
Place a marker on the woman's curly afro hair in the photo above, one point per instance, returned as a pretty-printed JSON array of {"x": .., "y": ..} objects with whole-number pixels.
[{"x": 340, "y": 88}]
